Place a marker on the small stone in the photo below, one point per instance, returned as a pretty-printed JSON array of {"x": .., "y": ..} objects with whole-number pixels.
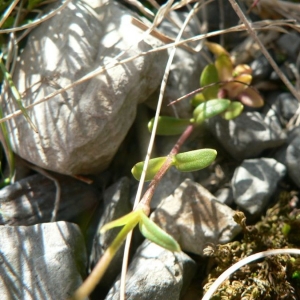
[
  {"x": 290, "y": 44},
  {"x": 225, "y": 196},
  {"x": 44, "y": 261},
  {"x": 194, "y": 217},
  {"x": 289, "y": 155},
  {"x": 248, "y": 135},
  {"x": 261, "y": 69},
  {"x": 156, "y": 273},
  {"x": 254, "y": 182},
  {"x": 32, "y": 200},
  {"x": 281, "y": 106}
]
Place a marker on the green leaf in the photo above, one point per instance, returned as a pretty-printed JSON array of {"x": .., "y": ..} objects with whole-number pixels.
[
  {"x": 169, "y": 125},
  {"x": 153, "y": 167},
  {"x": 131, "y": 218},
  {"x": 194, "y": 160},
  {"x": 209, "y": 79},
  {"x": 198, "y": 99},
  {"x": 224, "y": 67},
  {"x": 16, "y": 95},
  {"x": 209, "y": 109},
  {"x": 156, "y": 235},
  {"x": 234, "y": 110},
  {"x": 216, "y": 48}
]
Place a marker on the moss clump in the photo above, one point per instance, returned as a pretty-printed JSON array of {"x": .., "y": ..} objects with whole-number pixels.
[{"x": 276, "y": 277}]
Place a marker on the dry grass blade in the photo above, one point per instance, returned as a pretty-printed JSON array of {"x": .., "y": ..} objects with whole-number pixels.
[
  {"x": 16, "y": 95},
  {"x": 144, "y": 10},
  {"x": 37, "y": 22},
  {"x": 257, "y": 25},
  {"x": 8, "y": 12}
]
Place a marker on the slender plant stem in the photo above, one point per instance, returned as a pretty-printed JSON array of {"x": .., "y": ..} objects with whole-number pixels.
[
  {"x": 146, "y": 200},
  {"x": 99, "y": 270}
]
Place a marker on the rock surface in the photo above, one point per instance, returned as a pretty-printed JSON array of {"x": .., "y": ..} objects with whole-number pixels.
[
  {"x": 254, "y": 182},
  {"x": 194, "y": 217},
  {"x": 44, "y": 261},
  {"x": 32, "y": 200},
  {"x": 156, "y": 273},
  {"x": 289, "y": 155},
  {"x": 80, "y": 130},
  {"x": 247, "y": 135}
]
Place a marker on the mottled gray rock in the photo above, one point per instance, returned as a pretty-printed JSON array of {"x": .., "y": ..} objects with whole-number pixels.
[
  {"x": 290, "y": 44},
  {"x": 194, "y": 217},
  {"x": 80, "y": 130},
  {"x": 116, "y": 205},
  {"x": 281, "y": 106},
  {"x": 289, "y": 155},
  {"x": 224, "y": 195},
  {"x": 156, "y": 273},
  {"x": 254, "y": 182},
  {"x": 169, "y": 183},
  {"x": 247, "y": 135},
  {"x": 261, "y": 68},
  {"x": 32, "y": 200},
  {"x": 41, "y": 262}
]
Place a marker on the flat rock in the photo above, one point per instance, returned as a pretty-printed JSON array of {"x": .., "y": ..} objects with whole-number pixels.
[
  {"x": 248, "y": 135},
  {"x": 80, "y": 130},
  {"x": 194, "y": 217},
  {"x": 32, "y": 200},
  {"x": 44, "y": 261},
  {"x": 254, "y": 182},
  {"x": 156, "y": 273}
]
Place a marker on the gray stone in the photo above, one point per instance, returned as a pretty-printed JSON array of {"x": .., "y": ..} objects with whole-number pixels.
[
  {"x": 254, "y": 182},
  {"x": 32, "y": 200},
  {"x": 281, "y": 106},
  {"x": 44, "y": 261},
  {"x": 247, "y": 135},
  {"x": 224, "y": 195},
  {"x": 289, "y": 155},
  {"x": 156, "y": 273},
  {"x": 169, "y": 183},
  {"x": 80, "y": 130},
  {"x": 290, "y": 44},
  {"x": 116, "y": 205},
  {"x": 194, "y": 217}
]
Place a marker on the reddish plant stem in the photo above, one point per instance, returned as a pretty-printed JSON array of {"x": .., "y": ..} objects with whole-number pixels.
[{"x": 146, "y": 200}]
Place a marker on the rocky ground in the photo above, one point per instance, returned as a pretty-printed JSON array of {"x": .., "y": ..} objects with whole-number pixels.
[{"x": 73, "y": 176}]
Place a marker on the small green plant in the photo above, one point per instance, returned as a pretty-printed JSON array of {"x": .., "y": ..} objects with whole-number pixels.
[{"x": 221, "y": 85}]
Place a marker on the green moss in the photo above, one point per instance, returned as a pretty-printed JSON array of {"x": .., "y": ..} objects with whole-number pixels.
[{"x": 275, "y": 277}]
